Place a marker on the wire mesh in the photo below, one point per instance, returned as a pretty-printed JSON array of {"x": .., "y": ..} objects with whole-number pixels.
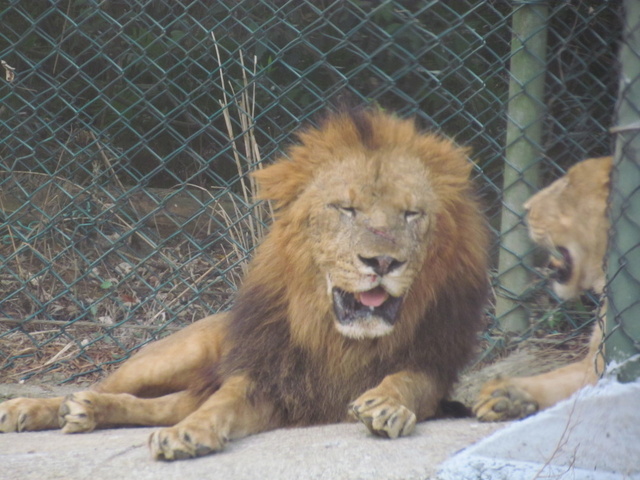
[{"x": 128, "y": 129}]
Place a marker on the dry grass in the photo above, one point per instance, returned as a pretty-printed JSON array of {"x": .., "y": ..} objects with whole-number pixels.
[
  {"x": 120, "y": 304},
  {"x": 90, "y": 300},
  {"x": 53, "y": 362},
  {"x": 245, "y": 230}
]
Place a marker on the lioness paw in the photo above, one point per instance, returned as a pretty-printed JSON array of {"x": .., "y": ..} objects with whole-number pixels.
[
  {"x": 77, "y": 412},
  {"x": 501, "y": 400},
  {"x": 27, "y": 414},
  {"x": 181, "y": 442},
  {"x": 384, "y": 416}
]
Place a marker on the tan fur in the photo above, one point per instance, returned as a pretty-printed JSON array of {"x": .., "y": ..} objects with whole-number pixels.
[
  {"x": 570, "y": 213},
  {"x": 372, "y": 218}
]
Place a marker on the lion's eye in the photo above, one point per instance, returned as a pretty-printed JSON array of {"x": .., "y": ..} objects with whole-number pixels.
[
  {"x": 411, "y": 215},
  {"x": 348, "y": 211}
]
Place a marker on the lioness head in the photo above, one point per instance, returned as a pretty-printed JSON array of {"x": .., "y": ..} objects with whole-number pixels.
[
  {"x": 371, "y": 192},
  {"x": 569, "y": 219}
]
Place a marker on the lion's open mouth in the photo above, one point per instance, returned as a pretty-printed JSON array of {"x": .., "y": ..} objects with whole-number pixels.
[
  {"x": 354, "y": 307},
  {"x": 562, "y": 265}
]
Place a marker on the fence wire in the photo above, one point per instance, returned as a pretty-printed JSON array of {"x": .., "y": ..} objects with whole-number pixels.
[{"x": 128, "y": 129}]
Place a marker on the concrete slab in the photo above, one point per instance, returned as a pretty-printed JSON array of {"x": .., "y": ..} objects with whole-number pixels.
[
  {"x": 345, "y": 451},
  {"x": 595, "y": 435}
]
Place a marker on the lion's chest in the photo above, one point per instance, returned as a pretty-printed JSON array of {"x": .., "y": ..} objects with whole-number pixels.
[{"x": 320, "y": 391}]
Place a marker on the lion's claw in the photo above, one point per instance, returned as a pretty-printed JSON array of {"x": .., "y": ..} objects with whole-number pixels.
[
  {"x": 77, "y": 414},
  {"x": 181, "y": 442},
  {"x": 384, "y": 416},
  {"x": 500, "y": 400}
]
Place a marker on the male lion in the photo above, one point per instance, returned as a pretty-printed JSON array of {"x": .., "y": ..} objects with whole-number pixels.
[
  {"x": 569, "y": 219},
  {"x": 364, "y": 299}
]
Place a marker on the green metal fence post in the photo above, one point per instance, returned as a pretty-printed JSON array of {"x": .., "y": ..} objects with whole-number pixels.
[
  {"x": 524, "y": 148},
  {"x": 623, "y": 289}
]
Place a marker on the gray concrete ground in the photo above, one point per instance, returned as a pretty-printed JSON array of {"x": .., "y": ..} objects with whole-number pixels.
[
  {"x": 595, "y": 436},
  {"x": 345, "y": 451}
]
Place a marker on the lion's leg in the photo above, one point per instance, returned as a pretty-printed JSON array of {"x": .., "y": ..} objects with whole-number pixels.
[
  {"x": 177, "y": 362},
  {"x": 228, "y": 414},
  {"x": 392, "y": 408},
  {"x": 518, "y": 397},
  {"x": 85, "y": 411}
]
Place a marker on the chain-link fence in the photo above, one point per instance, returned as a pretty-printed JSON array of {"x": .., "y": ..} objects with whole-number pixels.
[{"x": 128, "y": 129}]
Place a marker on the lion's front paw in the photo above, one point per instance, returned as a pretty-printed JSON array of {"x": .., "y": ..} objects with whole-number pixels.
[
  {"x": 501, "y": 400},
  {"x": 180, "y": 442},
  {"x": 77, "y": 412},
  {"x": 27, "y": 414},
  {"x": 384, "y": 416}
]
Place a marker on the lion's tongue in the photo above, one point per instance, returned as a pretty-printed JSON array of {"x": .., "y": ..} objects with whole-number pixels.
[{"x": 374, "y": 297}]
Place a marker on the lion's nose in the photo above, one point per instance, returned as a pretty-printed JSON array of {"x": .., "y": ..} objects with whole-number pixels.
[{"x": 382, "y": 264}]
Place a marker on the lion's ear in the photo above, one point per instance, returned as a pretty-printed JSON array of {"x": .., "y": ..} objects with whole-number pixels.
[{"x": 281, "y": 182}]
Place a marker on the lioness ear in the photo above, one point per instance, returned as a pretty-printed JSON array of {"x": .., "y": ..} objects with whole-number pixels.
[{"x": 281, "y": 182}]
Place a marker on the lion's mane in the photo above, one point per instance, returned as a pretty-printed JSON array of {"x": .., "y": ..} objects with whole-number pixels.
[{"x": 279, "y": 328}]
